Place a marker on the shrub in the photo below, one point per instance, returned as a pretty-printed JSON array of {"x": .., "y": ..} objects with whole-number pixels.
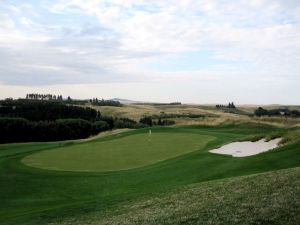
[{"x": 99, "y": 126}]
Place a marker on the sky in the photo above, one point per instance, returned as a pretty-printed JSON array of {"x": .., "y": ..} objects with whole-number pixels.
[{"x": 192, "y": 51}]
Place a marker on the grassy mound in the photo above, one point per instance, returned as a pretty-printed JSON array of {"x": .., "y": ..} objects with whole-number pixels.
[
  {"x": 269, "y": 198},
  {"x": 122, "y": 153}
]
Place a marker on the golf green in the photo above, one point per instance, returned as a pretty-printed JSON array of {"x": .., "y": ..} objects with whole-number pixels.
[
  {"x": 144, "y": 168},
  {"x": 127, "y": 152}
]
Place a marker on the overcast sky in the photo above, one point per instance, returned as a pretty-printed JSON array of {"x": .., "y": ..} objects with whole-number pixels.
[{"x": 193, "y": 51}]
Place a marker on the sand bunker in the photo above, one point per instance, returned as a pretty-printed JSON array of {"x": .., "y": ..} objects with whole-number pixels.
[{"x": 247, "y": 148}]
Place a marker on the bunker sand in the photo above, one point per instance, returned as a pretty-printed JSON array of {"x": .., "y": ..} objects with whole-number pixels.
[{"x": 247, "y": 148}]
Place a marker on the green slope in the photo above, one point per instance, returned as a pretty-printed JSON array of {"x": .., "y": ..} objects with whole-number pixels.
[
  {"x": 35, "y": 196},
  {"x": 267, "y": 198}
]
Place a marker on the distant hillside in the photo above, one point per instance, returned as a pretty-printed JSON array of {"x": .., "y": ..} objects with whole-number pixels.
[{"x": 125, "y": 101}]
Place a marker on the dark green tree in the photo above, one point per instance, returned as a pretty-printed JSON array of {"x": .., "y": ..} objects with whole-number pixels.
[{"x": 147, "y": 120}]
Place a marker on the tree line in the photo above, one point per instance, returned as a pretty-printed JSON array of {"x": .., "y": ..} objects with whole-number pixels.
[
  {"x": 102, "y": 102},
  {"x": 45, "y": 110},
  {"x": 159, "y": 104},
  {"x": 164, "y": 115},
  {"x": 22, "y": 130},
  {"x": 69, "y": 100},
  {"x": 230, "y": 105},
  {"x": 26, "y": 120},
  {"x": 36, "y": 96},
  {"x": 276, "y": 112},
  {"x": 30, "y": 120},
  {"x": 150, "y": 121}
]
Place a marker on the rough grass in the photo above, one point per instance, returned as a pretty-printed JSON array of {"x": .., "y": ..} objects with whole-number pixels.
[
  {"x": 214, "y": 116},
  {"x": 122, "y": 153},
  {"x": 268, "y": 198},
  {"x": 137, "y": 111}
]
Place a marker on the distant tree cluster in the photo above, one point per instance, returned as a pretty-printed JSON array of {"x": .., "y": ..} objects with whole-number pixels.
[
  {"x": 22, "y": 130},
  {"x": 158, "y": 104},
  {"x": 25, "y": 120},
  {"x": 30, "y": 120},
  {"x": 175, "y": 103},
  {"x": 146, "y": 120},
  {"x": 121, "y": 122},
  {"x": 163, "y": 115},
  {"x": 149, "y": 121},
  {"x": 276, "y": 112},
  {"x": 164, "y": 122},
  {"x": 230, "y": 106},
  {"x": 49, "y": 97},
  {"x": 127, "y": 123},
  {"x": 45, "y": 110},
  {"x": 102, "y": 102}
]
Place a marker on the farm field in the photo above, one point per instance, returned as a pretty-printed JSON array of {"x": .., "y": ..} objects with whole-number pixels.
[{"x": 96, "y": 182}]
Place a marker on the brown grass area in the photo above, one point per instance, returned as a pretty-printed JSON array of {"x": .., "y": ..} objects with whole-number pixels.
[
  {"x": 137, "y": 111},
  {"x": 213, "y": 116},
  {"x": 107, "y": 133},
  {"x": 278, "y": 122}
]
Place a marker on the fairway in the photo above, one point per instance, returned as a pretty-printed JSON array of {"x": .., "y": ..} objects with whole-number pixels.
[
  {"x": 118, "y": 154},
  {"x": 89, "y": 181}
]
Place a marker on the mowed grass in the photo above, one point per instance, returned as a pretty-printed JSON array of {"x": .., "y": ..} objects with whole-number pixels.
[
  {"x": 33, "y": 196},
  {"x": 122, "y": 153},
  {"x": 268, "y": 198}
]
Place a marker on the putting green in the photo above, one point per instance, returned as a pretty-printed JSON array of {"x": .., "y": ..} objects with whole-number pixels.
[{"x": 118, "y": 154}]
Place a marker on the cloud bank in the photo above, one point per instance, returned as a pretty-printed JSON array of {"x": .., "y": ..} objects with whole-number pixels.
[{"x": 195, "y": 51}]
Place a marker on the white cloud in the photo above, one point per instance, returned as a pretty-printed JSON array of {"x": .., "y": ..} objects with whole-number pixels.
[
  {"x": 6, "y": 22},
  {"x": 101, "y": 41}
]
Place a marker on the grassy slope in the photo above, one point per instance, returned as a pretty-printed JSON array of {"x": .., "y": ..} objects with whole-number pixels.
[
  {"x": 268, "y": 198},
  {"x": 118, "y": 154},
  {"x": 137, "y": 111},
  {"x": 32, "y": 196},
  {"x": 220, "y": 115}
]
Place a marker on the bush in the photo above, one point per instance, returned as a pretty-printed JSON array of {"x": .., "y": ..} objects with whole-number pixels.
[
  {"x": 78, "y": 128},
  {"x": 99, "y": 126},
  {"x": 109, "y": 120},
  {"x": 147, "y": 120},
  {"x": 14, "y": 130},
  {"x": 124, "y": 123}
]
